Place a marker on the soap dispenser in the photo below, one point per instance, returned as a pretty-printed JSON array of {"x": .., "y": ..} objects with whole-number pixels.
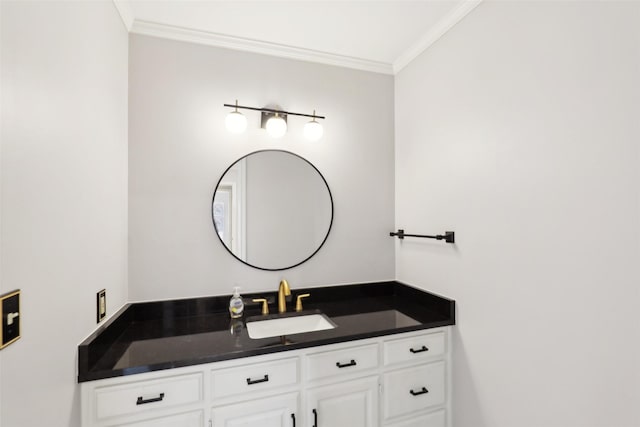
[{"x": 236, "y": 305}]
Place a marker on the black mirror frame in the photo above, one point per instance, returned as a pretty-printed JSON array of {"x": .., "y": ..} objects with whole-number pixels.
[{"x": 330, "y": 221}]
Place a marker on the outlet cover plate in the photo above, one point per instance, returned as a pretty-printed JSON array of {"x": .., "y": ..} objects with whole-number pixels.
[{"x": 101, "y": 305}]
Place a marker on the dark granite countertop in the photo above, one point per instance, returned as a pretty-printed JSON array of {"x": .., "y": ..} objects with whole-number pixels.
[{"x": 152, "y": 336}]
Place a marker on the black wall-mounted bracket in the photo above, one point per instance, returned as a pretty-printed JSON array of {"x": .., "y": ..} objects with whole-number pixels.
[{"x": 448, "y": 236}]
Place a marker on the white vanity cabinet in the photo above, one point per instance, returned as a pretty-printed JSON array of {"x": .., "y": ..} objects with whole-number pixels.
[
  {"x": 262, "y": 394},
  {"x": 342, "y": 385},
  {"x": 399, "y": 380},
  {"x": 416, "y": 379}
]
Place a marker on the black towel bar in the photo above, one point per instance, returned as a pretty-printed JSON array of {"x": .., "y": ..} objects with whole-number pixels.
[{"x": 449, "y": 236}]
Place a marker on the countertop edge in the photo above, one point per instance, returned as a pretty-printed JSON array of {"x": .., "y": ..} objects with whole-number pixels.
[{"x": 99, "y": 375}]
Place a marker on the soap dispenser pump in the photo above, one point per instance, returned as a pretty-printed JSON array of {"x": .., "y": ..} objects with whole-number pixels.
[{"x": 236, "y": 305}]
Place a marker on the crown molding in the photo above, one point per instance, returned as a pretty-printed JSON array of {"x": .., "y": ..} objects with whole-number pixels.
[
  {"x": 156, "y": 29},
  {"x": 256, "y": 46},
  {"x": 434, "y": 34},
  {"x": 126, "y": 13}
]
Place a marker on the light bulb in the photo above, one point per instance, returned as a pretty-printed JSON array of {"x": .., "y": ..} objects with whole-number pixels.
[
  {"x": 313, "y": 130},
  {"x": 236, "y": 122},
  {"x": 276, "y": 126}
]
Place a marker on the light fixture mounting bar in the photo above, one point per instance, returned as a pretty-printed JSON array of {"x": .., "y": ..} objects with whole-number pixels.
[{"x": 270, "y": 110}]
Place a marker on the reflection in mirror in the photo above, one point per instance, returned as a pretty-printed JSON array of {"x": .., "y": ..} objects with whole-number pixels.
[{"x": 272, "y": 210}]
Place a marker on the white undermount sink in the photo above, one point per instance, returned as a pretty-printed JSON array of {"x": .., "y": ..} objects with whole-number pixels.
[{"x": 279, "y": 326}]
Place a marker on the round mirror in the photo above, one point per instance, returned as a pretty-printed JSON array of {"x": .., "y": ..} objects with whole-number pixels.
[{"x": 272, "y": 210}]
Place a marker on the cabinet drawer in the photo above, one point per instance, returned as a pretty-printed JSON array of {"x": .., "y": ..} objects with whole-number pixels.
[
  {"x": 342, "y": 362},
  {"x": 434, "y": 419},
  {"x": 414, "y": 389},
  {"x": 255, "y": 377},
  {"x": 140, "y": 396},
  {"x": 416, "y": 348}
]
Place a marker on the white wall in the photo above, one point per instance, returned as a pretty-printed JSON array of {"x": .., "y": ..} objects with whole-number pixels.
[
  {"x": 179, "y": 148},
  {"x": 519, "y": 130},
  {"x": 64, "y": 200},
  {"x": 1, "y": 138}
]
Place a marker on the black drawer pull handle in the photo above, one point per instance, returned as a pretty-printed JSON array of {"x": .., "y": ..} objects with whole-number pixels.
[
  {"x": 142, "y": 401},
  {"x": 418, "y": 393},
  {"x": 346, "y": 365},
  {"x": 293, "y": 419},
  {"x": 261, "y": 380},
  {"x": 420, "y": 350},
  {"x": 315, "y": 418}
]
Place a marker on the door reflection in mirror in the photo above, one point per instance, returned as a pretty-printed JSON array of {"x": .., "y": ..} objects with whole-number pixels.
[{"x": 228, "y": 208}]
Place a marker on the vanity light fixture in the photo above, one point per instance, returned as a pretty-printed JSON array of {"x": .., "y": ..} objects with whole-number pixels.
[
  {"x": 313, "y": 130},
  {"x": 276, "y": 125},
  {"x": 273, "y": 120},
  {"x": 236, "y": 122}
]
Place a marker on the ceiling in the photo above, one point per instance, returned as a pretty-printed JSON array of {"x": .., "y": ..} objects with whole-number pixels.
[{"x": 381, "y": 35}]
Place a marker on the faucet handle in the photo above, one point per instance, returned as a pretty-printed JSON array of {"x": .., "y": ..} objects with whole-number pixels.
[
  {"x": 299, "y": 301},
  {"x": 265, "y": 304}
]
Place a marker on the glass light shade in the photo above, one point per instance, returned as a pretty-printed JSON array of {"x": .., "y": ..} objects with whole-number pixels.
[
  {"x": 313, "y": 130},
  {"x": 276, "y": 127},
  {"x": 236, "y": 122}
]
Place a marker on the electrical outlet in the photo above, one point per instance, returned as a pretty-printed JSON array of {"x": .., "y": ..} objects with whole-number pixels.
[
  {"x": 101, "y": 306},
  {"x": 10, "y": 315}
]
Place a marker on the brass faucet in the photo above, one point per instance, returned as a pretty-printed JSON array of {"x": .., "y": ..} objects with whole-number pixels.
[
  {"x": 283, "y": 291},
  {"x": 299, "y": 301},
  {"x": 265, "y": 304}
]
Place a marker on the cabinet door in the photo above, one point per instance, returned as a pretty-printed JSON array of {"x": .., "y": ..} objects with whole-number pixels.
[
  {"x": 278, "y": 411},
  {"x": 435, "y": 419},
  {"x": 352, "y": 404},
  {"x": 191, "y": 419}
]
